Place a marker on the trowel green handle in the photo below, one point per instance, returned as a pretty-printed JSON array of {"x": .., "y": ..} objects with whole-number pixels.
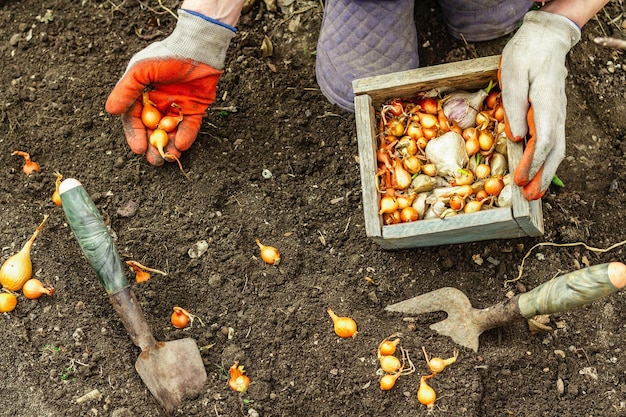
[
  {"x": 92, "y": 235},
  {"x": 573, "y": 289}
]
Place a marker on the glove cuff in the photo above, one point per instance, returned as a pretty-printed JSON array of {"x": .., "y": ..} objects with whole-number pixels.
[
  {"x": 200, "y": 39},
  {"x": 555, "y": 23}
]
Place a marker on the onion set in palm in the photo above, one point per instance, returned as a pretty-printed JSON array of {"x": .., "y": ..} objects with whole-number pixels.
[{"x": 161, "y": 126}]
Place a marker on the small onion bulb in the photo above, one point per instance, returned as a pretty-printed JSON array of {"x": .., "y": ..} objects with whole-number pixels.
[
  {"x": 18, "y": 269},
  {"x": 390, "y": 364},
  {"x": 30, "y": 166},
  {"x": 56, "y": 197},
  {"x": 388, "y": 347},
  {"x": 150, "y": 115},
  {"x": 437, "y": 365},
  {"x": 345, "y": 327},
  {"x": 425, "y": 393},
  {"x": 8, "y": 302},
  {"x": 269, "y": 254},
  {"x": 388, "y": 381},
  {"x": 33, "y": 288},
  {"x": 180, "y": 318}
]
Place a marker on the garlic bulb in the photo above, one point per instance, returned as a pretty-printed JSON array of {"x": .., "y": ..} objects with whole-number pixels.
[
  {"x": 505, "y": 198},
  {"x": 422, "y": 183},
  {"x": 448, "y": 153},
  {"x": 435, "y": 210},
  {"x": 501, "y": 144},
  {"x": 498, "y": 164},
  {"x": 462, "y": 107},
  {"x": 419, "y": 204}
]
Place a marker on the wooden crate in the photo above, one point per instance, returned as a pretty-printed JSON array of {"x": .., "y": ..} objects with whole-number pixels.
[{"x": 524, "y": 218}]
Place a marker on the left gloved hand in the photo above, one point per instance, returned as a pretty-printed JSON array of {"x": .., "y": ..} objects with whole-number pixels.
[
  {"x": 532, "y": 73},
  {"x": 183, "y": 69}
]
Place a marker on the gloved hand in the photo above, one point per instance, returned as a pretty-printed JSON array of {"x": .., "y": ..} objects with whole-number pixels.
[
  {"x": 532, "y": 73},
  {"x": 183, "y": 69}
]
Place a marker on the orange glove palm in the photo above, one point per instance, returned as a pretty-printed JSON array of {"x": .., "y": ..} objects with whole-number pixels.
[{"x": 183, "y": 69}]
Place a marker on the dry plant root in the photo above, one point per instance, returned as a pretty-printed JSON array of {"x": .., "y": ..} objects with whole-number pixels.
[
  {"x": 599, "y": 250},
  {"x": 611, "y": 42}
]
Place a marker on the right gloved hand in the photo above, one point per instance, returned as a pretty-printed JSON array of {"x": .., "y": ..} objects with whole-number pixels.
[
  {"x": 532, "y": 78},
  {"x": 183, "y": 69}
]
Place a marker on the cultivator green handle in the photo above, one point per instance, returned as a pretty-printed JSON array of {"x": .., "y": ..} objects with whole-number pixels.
[
  {"x": 573, "y": 289},
  {"x": 92, "y": 235}
]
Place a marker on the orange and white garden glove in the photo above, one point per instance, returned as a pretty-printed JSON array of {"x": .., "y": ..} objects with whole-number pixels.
[
  {"x": 182, "y": 69},
  {"x": 532, "y": 78}
]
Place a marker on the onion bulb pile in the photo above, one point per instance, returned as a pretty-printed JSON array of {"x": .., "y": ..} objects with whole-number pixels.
[
  {"x": 16, "y": 274},
  {"x": 392, "y": 367},
  {"x": 436, "y": 155}
]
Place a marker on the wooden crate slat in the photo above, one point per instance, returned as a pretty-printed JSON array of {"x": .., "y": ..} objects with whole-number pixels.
[
  {"x": 365, "y": 131},
  {"x": 470, "y": 74},
  {"x": 460, "y": 222},
  {"x": 494, "y": 230}
]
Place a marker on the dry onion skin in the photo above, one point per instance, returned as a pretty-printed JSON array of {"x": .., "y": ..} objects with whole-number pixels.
[{"x": 440, "y": 142}]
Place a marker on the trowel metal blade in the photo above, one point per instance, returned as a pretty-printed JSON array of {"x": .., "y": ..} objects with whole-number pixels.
[{"x": 172, "y": 371}]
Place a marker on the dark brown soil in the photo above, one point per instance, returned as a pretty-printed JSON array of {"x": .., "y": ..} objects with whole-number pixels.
[{"x": 57, "y": 70}]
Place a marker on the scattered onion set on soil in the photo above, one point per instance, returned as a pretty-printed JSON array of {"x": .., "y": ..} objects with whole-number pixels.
[
  {"x": 16, "y": 274},
  {"x": 30, "y": 166},
  {"x": 441, "y": 156},
  {"x": 237, "y": 380},
  {"x": 345, "y": 327},
  {"x": 392, "y": 368}
]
